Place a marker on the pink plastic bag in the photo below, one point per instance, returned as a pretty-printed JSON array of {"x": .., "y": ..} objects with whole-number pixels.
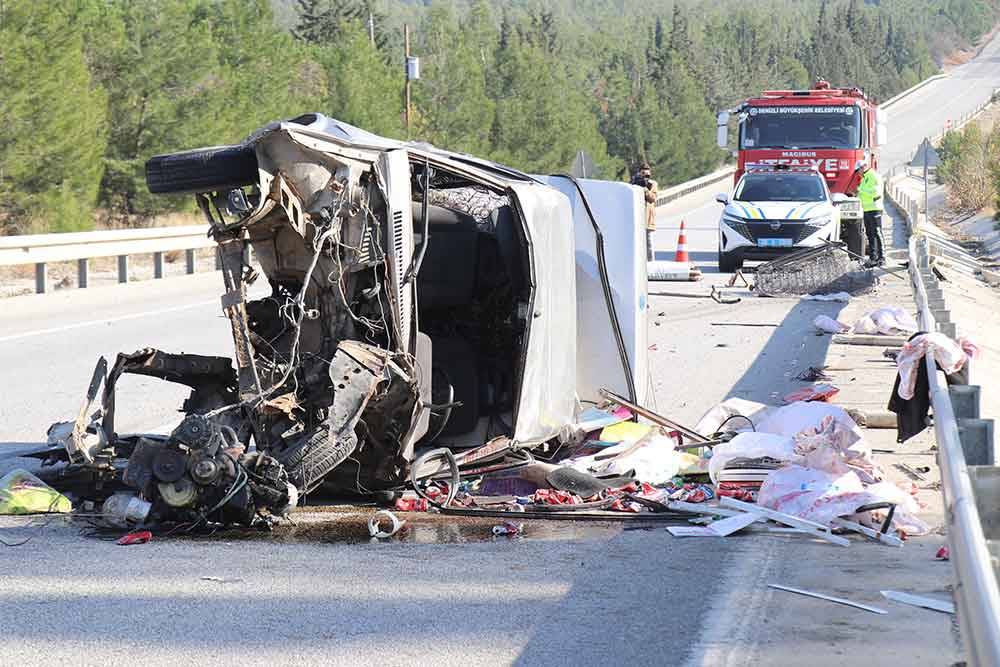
[{"x": 822, "y": 496}]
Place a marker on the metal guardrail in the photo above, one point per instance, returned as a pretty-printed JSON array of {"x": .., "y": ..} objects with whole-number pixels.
[
  {"x": 682, "y": 189},
  {"x": 977, "y": 593},
  {"x": 42, "y": 249}
]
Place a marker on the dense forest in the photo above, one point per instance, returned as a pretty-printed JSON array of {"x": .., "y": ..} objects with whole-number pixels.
[{"x": 92, "y": 88}]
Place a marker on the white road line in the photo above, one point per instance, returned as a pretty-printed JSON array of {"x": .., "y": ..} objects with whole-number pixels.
[{"x": 80, "y": 325}]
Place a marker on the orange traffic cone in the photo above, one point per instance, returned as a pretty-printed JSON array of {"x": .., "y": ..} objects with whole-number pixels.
[{"x": 682, "y": 253}]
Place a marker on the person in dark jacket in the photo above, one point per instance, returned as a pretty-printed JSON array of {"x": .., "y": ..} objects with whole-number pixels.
[{"x": 644, "y": 179}]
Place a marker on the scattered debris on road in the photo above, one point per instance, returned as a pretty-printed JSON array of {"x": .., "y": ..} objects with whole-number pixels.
[
  {"x": 830, "y": 598},
  {"x": 826, "y": 269},
  {"x": 814, "y": 374},
  {"x": 920, "y": 601},
  {"x": 23, "y": 493},
  {"x": 375, "y": 528}
]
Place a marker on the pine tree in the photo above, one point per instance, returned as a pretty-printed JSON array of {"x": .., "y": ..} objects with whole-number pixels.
[
  {"x": 454, "y": 109},
  {"x": 363, "y": 89},
  {"x": 54, "y": 121},
  {"x": 169, "y": 91}
]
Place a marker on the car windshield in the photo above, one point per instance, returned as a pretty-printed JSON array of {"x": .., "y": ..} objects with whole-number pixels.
[
  {"x": 780, "y": 187},
  {"x": 798, "y": 127}
]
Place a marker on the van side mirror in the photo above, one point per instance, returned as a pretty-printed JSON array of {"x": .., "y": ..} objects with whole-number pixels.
[
  {"x": 881, "y": 127},
  {"x": 722, "y": 198},
  {"x": 722, "y": 130}
]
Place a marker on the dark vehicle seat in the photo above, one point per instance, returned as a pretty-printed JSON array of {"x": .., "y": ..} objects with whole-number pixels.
[{"x": 448, "y": 275}]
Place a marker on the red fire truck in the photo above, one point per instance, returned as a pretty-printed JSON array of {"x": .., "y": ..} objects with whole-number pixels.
[{"x": 825, "y": 127}]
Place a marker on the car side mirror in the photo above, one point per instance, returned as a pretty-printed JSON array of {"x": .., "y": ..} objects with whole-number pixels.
[
  {"x": 722, "y": 198},
  {"x": 839, "y": 198}
]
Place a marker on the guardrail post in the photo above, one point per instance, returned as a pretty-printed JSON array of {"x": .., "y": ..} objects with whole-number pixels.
[
  {"x": 122, "y": 268},
  {"x": 965, "y": 400},
  {"x": 189, "y": 260},
  {"x": 976, "y": 436},
  {"x": 41, "y": 277},
  {"x": 82, "y": 272},
  {"x": 157, "y": 265}
]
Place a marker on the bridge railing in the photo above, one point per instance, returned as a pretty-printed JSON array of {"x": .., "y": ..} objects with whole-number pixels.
[{"x": 970, "y": 492}]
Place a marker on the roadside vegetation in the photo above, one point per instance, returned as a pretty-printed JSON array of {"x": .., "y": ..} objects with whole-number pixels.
[
  {"x": 92, "y": 88},
  {"x": 970, "y": 166}
]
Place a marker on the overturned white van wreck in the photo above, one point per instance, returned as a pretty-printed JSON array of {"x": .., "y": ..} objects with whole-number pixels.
[{"x": 417, "y": 297}]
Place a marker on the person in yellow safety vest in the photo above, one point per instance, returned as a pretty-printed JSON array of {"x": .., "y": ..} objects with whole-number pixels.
[
  {"x": 870, "y": 193},
  {"x": 644, "y": 179}
]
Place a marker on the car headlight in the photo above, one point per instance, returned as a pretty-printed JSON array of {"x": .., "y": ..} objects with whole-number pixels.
[
  {"x": 738, "y": 225},
  {"x": 819, "y": 222}
]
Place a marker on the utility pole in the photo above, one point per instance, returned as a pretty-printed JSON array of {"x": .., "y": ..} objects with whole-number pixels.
[
  {"x": 412, "y": 67},
  {"x": 406, "y": 55}
]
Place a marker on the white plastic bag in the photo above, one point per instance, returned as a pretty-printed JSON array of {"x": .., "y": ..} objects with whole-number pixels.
[
  {"x": 887, "y": 320},
  {"x": 792, "y": 419},
  {"x": 654, "y": 461},
  {"x": 830, "y": 325},
  {"x": 712, "y": 420},
  {"x": 751, "y": 446}
]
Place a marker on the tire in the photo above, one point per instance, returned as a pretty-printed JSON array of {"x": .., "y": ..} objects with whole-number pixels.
[
  {"x": 215, "y": 169},
  {"x": 728, "y": 262},
  {"x": 309, "y": 458},
  {"x": 854, "y": 235}
]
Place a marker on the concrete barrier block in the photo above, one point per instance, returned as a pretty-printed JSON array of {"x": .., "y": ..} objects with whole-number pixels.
[
  {"x": 976, "y": 436},
  {"x": 965, "y": 401}
]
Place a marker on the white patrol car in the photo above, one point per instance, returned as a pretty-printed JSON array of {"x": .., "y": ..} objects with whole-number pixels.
[{"x": 776, "y": 209}]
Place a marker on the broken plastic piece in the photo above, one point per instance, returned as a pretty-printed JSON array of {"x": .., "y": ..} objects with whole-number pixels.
[
  {"x": 856, "y": 605},
  {"x": 721, "y": 528},
  {"x": 920, "y": 601},
  {"x": 509, "y": 529},
  {"x": 375, "y": 528},
  {"x": 138, "y": 537},
  {"x": 817, "y": 392}
]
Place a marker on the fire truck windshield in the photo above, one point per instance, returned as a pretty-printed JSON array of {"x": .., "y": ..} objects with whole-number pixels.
[
  {"x": 780, "y": 187},
  {"x": 800, "y": 127}
]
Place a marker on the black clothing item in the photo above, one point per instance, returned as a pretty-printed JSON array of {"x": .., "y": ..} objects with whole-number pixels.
[
  {"x": 873, "y": 230},
  {"x": 911, "y": 415},
  {"x": 640, "y": 180}
]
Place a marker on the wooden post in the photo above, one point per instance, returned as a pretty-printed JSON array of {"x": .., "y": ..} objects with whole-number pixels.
[{"x": 406, "y": 57}]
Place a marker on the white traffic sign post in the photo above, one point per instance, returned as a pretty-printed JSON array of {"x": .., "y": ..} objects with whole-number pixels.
[{"x": 928, "y": 157}]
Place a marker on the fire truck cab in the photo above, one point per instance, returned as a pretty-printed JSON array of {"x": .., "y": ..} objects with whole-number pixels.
[{"x": 826, "y": 128}]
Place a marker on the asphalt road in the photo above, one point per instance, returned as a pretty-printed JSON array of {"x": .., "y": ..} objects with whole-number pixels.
[{"x": 591, "y": 598}]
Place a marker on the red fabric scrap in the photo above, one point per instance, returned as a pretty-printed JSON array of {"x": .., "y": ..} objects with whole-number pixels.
[{"x": 138, "y": 537}]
